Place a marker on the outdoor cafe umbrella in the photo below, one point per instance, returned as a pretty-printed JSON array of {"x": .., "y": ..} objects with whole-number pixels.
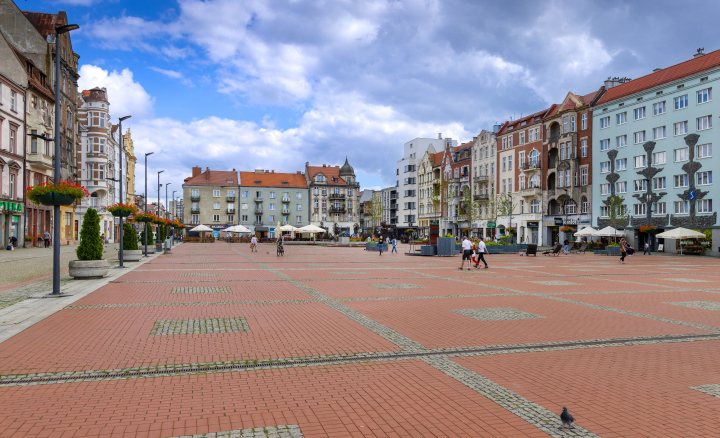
[
  {"x": 608, "y": 232},
  {"x": 288, "y": 228},
  {"x": 586, "y": 232},
  {"x": 237, "y": 229},
  {"x": 201, "y": 229},
  {"x": 312, "y": 229},
  {"x": 679, "y": 234}
]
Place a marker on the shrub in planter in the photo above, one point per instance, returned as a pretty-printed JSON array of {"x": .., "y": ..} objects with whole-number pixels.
[
  {"x": 130, "y": 239},
  {"x": 150, "y": 237},
  {"x": 90, "y": 263},
  {"x": 161, "y": 233}
]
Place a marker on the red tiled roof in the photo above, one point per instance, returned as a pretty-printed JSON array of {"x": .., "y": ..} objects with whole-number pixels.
[
  {"x": 44, "y": 23},
  {"x": 267, "y": 179},
  {"x": 437, "y": 158},
  {"x": 222, "y": 178},
  {"x": 329, "y": 172},
  {"x": 664, "y": 76},
  {"x": 529, "y": 119},
  {"x": 33, "y": 79}
]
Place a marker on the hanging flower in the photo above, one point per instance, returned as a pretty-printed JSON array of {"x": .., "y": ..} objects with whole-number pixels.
[
  {"x": 567, "y": 229},
  {"x": 67, "y": 188},
  {"x": 132, "y": 209},
  {"x": 145, "y": 217},
  {"x": 647, "y": 229}
]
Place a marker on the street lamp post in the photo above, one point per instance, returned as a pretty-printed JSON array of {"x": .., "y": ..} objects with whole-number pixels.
[
  {"x": 158, "y": 198},
  {"x": 174, "y": 216},
  {"x": 166, "y": 207},
  {"x": 121, "y": 185},
  {"x": 146, "y": 224}
]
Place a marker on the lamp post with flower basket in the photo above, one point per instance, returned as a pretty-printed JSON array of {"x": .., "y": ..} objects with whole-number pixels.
[
  {"x": 122, "y": 210},
  {"x": 56, "y": 194},
  {"x": 157, "y": 220},
  {"x": 147, "y": 218}
]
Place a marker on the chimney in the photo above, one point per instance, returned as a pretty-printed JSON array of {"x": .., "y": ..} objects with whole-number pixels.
[
  {"x": 233, "y": 170},
  {"x": 298, "y": 172},
  {"x": 323, "y": 165},
  {"x": 272, "y": 171},
  {"x": 267, "y": 171},
  {"x": 612, "y": 82},
  {"x": 656, "y": 70},
  {"x": 700, "y": 52},
  {"x": 439, "y": 135},
  {"x": 196, "y": 171},
  {"x": 207, "y": 174}
]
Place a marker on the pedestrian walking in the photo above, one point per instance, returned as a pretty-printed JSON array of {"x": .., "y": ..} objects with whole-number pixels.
[
  {"x": 394, "y": 244},
  {"x": 647, "y": 249},
  {"x": 253, "y": 244},
  {"x": 467, "y": 253},
  {"x": 46, "y": 239},
  {"x": 380, "y": 245},
  {"x": 566, "y": 246},
  {"x": 623, "y": 250},
  {"x": 480, "y": 252}
]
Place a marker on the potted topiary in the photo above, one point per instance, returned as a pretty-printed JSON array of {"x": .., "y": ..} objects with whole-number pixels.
[
  {"x": 131, "y": 253},
  {"x": 150, "y": 241},
  {"x": 147, "y": 218},
  {"x": 90, "y": 263},
  {"x": 59, "y": 193}
]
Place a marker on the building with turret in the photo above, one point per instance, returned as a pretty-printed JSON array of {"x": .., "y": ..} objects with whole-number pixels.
[{"x": 334, "y": 195}]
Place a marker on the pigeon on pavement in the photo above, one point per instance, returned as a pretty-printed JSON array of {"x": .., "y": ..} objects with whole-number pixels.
[{"x": 566, "y": 419}]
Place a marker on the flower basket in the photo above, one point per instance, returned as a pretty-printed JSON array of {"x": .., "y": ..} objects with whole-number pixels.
[
  {"x": 144, "y": 217},
  {"x": 60, "y": 193},
  {"x": 158, "y": 220},
  {"x": 647, "y": 229},
  {"x": 29, "y": 237},
  {"x": 567, "y": 229},
  {"x": 511, "y": 230},
  {"x": 122, "y": 210}
]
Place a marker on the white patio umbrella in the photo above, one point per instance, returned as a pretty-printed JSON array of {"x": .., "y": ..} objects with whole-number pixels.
[
  {"x": 681, "y": 233},
  {"x": 201, "y": 229},
  {"x": 608, "y": 232},
  {"x": 586, "y": 232},
  {"x": 237, "y": 229},
  {"x": 311, "y": 229},
  {"x": 288, "y": 228}
]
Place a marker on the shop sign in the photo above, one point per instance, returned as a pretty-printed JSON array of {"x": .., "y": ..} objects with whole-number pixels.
[
  {"x": 533, "y": 225},
  {"x": 570, "y": 221},
  {"x": 11, "y": 206},
  {"x": 218, "y": 227},
  {"x": 491, "y": 224},
  {"x": 558, "y": 221}
]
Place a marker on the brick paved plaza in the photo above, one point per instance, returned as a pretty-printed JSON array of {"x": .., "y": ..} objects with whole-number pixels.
[{"x": 336, "y": 342}]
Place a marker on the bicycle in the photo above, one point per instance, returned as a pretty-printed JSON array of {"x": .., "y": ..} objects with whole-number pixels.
[{"x": 280, "y": 250}]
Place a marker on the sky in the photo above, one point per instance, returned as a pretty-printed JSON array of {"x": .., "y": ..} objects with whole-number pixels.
[{"x": 271, "y": 84}]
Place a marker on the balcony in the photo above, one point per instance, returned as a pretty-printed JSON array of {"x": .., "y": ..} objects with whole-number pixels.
[
  {"x": 529, "y": 166},
  {"x": 530, "y": 192},
  {"x": 230, "y": 199},
  {"x": 230, "y": 222},
  {"x": 339, "y": 196},
  {"x": 287, "y": 200},
  {"x": 258, "y": 211},
  {"x": 258, "y": 223},
  {"x": 195, "y": 210},
  {"x": 339, "y": 209},
  {"x": 481, "y": 178},
  {"x": 231, "y": 210},
  {"x": 258, "y": 199},
  {"x": 393, "y": 196},
  {"x": 194, "y": 197},
  {"x": 481, "y": 197},
  {"x": 286, "y": 212}
]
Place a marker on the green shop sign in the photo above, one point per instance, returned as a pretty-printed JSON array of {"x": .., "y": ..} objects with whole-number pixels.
[
  {"x": 11, "y": 206},
  {"x": 491, "y": 224}
]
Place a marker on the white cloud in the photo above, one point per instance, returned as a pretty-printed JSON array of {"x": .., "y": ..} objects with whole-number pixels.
[
  {"x": 124, "y": 94},
  {"x": 174, "y": 75}
]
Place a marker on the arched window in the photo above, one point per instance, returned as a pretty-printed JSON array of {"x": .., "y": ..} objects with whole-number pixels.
[
  {"x": 534, "y": 181},
  {"x": 534, "y": 157},
  {"x": 584, "y": 205}
]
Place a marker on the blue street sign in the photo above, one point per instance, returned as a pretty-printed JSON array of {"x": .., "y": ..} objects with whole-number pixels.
[{"x": 692, "y": 195}]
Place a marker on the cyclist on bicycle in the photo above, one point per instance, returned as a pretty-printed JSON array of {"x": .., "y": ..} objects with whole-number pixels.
[{"x": 280, "y": 247}]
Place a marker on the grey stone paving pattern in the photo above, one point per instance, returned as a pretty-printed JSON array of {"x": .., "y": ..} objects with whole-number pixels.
[
  {"x": 704, "y": 305},
  {"x": 397, "y": 286},
  {"x": 199, "y": 326},
  {"x": 201, "y": 274},
  {"x": 533, "y": 413},
  {"x": 284, "y": 431},
  {"x": 349, "y": 273},
  {"x": 201, "y": 290},
  {"x": 686, "y": 280},
  {"x": 496, "y": 314},
  {"x": 21, "y": 293},
  {"x": 713, "y": 390},
  {"x": 555, "y": 283}
]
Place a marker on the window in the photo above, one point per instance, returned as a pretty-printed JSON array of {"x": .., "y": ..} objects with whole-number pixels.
[
  {"x": 298, "y": 195},
  {"x": 271, "y": 218},
  {"x": 681, "y": 181},
  {"x": 522, "y": 138},
  {"x": 640, "y": 161},
  {"x": 583, "y": 121},
  {"x": 194, "y": 193},
  {"x": 244, "y": 218},
  {"x": 231, "y": 193},
  {"x": 681, "y": 102},
  {"x": 681, "y": 154},
  {"x": 605, "y": 167},
  {"x": 603, "y": 211},
  {"x": 504, "y": 186},
  {"x": 640, "y": 209},
  {"x": 704, "y": 150},
  {"x": 231, "y": 218},
  {"x": 704, "y": 178},
  {"x": 245, "y": 194},
  {"x": 660, "y": 208},
  {"x": 572, "y": 123},
  {"x": 659, "y": 158},
  {"x": 565, "y": 124},
  {"x": 584, "y": 205},
  {"x": 659, "y": 133},
  {"x": 639, "y": 113},
  {"x": 604, "y": 145},
  {"x": 682, "y": 207},
  {"x": 102, "y": 172},
  {"x": 659, "y": 183},
  {"x": 704, "y": 123},
  {"x": 195, "y": 218},
  {"x": 622, "y": 118},
  {"x": 640, "y": 185},
  {"x": 534, "y": 181},
  {"x": 244, "y": 206},
  {"x": 659, "y": 108},
  {"x": 605, "y": 122},
  {"x": 560, "y": 178},
  {"x": 639, "y": 137},
  {"x": 704, "y": 96},
  {"x": 567, "y": 178},
  {"x": 298, "y": 219},
  {"x": 216, "y": 206},
  {"x": 584, "y": 176},
  {"x": 604, "y": 189},
  {"x": 621, "y": 164},
  {"x": 621, "y": 141},
  {"x": 522, "y": 183},
  {"x": 33, "y": 142},
  {"x": 704, "y": 206},
  {"x": 13, "y": 101},
  {"x": 534, "y": 206},
  {"x": 534, "y": 157},
  {"x": 504, "y": 143},
  {"x": 319, "y": 178},
  {"x": 216, "y": 193},
  {"x": 583, "y": 149},
  {"x": 216, "y": 218},
  {"x": 298, "y": 207},
  {"x": 620, "y": 187},
  {"x": 13, "y": 140},
  {"x": 510, "y": 163},
  {"x": 504, "y": 163}
]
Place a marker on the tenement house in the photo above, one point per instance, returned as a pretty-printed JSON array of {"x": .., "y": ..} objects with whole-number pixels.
[
  {"x": 334, "y": 198},
  {"x": 429, "y": 190},
  {"x": 567, "y": 158},
  {"x": 269, "y": 200},
  {"x": 213, "y": 198},
  {"x": 483, "y": 181},
  {"x": 455, "y": 170},
  {"x": 653, "y": 163}
]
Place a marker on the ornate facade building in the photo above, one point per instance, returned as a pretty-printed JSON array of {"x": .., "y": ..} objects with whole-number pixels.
[
  {"x": 428, "y": 174},
  {"x": 129, "y": 171},
  {"x": 334, "y": 195},
  {"x": 483, "y": 180}
]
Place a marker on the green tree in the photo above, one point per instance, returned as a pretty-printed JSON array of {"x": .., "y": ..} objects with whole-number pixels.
[
  {"x": 617, "y": 211},
  {"x": 130, "y": 242},
  {"x": 469, "y": 207},
  {"x": 91, "y": 246},
  {"x": 150, "y": 236},
  {"x": 161, "y": 233},
  {"x": 376, "y": 209}
]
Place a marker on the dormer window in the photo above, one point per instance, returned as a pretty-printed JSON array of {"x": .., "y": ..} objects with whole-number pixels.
[{"x": 319, "y": 178}]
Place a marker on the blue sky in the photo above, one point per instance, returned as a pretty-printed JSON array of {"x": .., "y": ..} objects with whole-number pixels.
[{"x": 272, "y": 84}]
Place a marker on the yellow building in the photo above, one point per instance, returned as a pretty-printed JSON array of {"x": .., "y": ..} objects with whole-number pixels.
[{"x": 130, "y": 173}]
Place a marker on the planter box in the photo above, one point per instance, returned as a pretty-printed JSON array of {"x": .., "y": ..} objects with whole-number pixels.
[
  {"x": 131, "y": 255},
  {"x": 344, "y": 240},
  {"x": 151, "y": 249},
  {"x": 428, "y": 250},
  {"x": 446, "y": 246},
  {"x": 87, "y": 269}
]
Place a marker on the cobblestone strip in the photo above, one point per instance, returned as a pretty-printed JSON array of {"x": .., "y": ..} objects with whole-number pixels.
[
  {"x": 704, "y": 305},
  {"x": 283, "y": 431},
  {"x": 201, "y": 290},
  {"x": 391, "y": 335},
  {"x": 397, "y": 286},
  {"x": 201, "y": 303},
  {"x": 337, "y": 359},
  {"x": 496, "y": 314},
  {"x": 199, "y": 326},
  {"x": 429, "y": 297},
  {"x": 538, "y": 416},
  {"x": 713, "y": 390},
  {"x": 22, "y": 293},
  {"x": 201, "y": 274}
]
